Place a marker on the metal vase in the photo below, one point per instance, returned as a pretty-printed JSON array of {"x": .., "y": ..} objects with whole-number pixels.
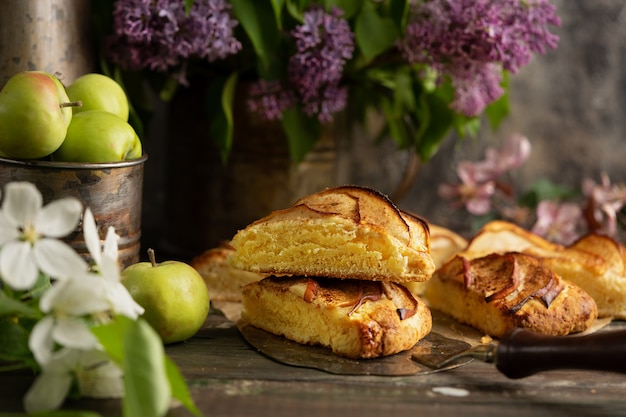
[
  {"x": 47, "y": 35},
  {"x": 113, "y": 192}
]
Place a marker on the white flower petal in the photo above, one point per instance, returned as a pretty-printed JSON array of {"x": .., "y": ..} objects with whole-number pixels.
[
  {"x": 92, "y": 238},
  {"x": 8, "y": 229},
  {"x": 122, "y": 302},
  {"x": 58, "y": 259},
  {"x": 47, "y": 392},
  {"x": 73, "y": 333},
  {"x": 111, "y": 243},
  {"x": 17, "y": 265},
  {"x": 40, "y": 341},
  {"x": 64, "y": 360},
  {"x": 59, "y": 218},
  {"x": 22, "y": 202},
  {"x": 99, "y": 377},
  {"x": 77, "y": 296},
  {"x": 110, "y": 269}
]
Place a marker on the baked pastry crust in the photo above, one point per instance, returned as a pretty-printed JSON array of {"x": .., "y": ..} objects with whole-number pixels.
[
  {"x": 499, "y": 292},
  {"x": 353, "y": 318},
  {"x": 596, "y": 263},
  {"x": 343, "y": 232},
  {"x": 223, "y": 281},
  {"x": 444, "y": 244}
]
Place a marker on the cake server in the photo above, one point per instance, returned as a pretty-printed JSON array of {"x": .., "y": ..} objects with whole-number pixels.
[{"x": 521, "y": 353}]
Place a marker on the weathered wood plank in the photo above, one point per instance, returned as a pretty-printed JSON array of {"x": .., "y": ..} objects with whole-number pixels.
[{"x": 227, "y": 377}]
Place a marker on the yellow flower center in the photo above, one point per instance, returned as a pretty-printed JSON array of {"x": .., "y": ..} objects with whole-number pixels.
[{"x": 29, "y": 234}]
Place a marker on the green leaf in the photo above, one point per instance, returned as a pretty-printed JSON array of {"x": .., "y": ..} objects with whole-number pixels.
[
  {"x": 349, "y": 7},
  {"x": 14, "y": 345},
  {"x": 466, "y": 126},
  {"x": 116, "y": 336},
  {"x": 544, "y": 189},
  {"x": 111, "y": 337},
  {"x": 498, "y": 111},
  {"x": 399, "y": 11},
  {"x": 436, "y": 119},
  {"x": 188, "y": 4},
  {"x": 374, "y": 33},
  {"x": 302, "y": 133},
  {"x": 254, "y": 16},
  {"x": 10, "y": 307},
  {"x": 403, "y": 93},
  {"x": 179, "y": 387},
  {"x": 397, "y": 128},
  {"x": 277, "y": 5},
  {"x": 295, "y": 9},
  {"x": 147, "y": 390},
  {"x": 221, "y": 116}
]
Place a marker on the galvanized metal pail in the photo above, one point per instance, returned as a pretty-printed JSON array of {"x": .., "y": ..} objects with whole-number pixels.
[{"x": 113, "y": 192}]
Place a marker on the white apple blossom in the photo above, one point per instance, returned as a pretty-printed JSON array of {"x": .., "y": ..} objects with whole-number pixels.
[
  {"x": 96, "y": 375},
  {"x": 29, "y": 235},
  {"x": 108, "y": 268},
  {"x": 66, "y": 304}
]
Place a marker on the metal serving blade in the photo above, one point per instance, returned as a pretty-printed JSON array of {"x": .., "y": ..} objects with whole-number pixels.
[
  {"x": 485, "y": 353},
  {"x": 521, "y": 353},
  {"x": 401, "y": 364}
]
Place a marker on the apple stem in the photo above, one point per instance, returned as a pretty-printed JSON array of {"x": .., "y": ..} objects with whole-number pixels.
[
  {"x": 71, "y": 104},
  {"x": 152, "y": 257}
]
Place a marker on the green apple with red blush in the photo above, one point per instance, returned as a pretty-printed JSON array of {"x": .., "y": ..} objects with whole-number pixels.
[{"x": 35, "y": 113}]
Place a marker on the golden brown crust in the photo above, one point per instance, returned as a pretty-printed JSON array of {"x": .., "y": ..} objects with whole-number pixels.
[
  {"x": 595, "y": 263},
  {"x": 499, "y": 292},
  {"x": 223, "y": 281},
  {"x": 444, "y": 244},
  {"x": 343, "y": 232},
  {"x": 354, "y": 318}
]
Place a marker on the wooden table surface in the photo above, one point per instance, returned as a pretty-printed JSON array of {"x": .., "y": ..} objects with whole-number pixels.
[{"x": 228, "y": 377}]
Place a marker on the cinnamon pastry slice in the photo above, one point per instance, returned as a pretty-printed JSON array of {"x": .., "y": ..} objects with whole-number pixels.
[
  {"x": 596, "y": 263},
  {"x": 498, "y": 292}
]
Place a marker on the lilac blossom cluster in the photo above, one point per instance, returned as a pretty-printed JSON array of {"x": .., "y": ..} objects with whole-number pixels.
[
  {"x": 471, "y": 41},
  {"x": 483, "y": 191},
  {"x": 324, "y": 43},
  {"x": 161, "y": 36}
]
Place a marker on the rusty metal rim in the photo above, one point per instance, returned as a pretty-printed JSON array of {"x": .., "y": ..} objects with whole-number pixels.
[{"x": 75, "y": 165}]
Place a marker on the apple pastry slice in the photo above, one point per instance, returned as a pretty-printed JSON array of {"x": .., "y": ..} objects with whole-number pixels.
[
  {"x": 347, "y": 232},
  {"x": 498, "y": 292},
  {"x": 353, "y": 318}
]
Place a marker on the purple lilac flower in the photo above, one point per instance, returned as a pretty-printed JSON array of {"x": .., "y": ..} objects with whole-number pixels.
[
  {"x": 269, "y": 99},
  {"x": 159, "y": 35},
  {"x": 558, "y": 222},
  {"x": 471, "y": 41},
  {"x": 604, "y": 201},
  {"x": 324, "y": 42}
]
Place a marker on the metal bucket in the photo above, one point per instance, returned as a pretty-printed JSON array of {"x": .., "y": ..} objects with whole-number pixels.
[{"x": 113, "y": 192}]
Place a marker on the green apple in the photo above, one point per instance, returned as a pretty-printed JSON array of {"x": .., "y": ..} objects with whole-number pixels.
[
  {"x": 98, "y": 136},
  {"x": 99, "y": 92},
  {"x": 173, "y": 294},
  {"x": 35, "y": 113}
]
